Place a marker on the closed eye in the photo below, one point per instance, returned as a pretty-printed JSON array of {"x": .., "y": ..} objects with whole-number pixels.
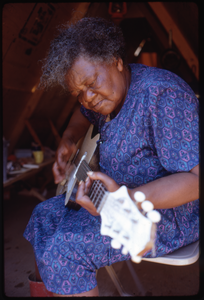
[{"x": 91, "y": 84}]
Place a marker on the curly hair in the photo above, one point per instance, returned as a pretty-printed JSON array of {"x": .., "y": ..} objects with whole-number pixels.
[{"x": 93, "y": 38}]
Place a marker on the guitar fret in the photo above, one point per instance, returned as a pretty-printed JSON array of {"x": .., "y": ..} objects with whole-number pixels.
[
  {"x": 99, "y": 198},
  {"x": 94, "y": 191},
  {"x": 97, "y": 190},
  {"x": 97, "y": 193}
]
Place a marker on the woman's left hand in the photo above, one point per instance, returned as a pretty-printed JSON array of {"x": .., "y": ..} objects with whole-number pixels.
[{"x": 84, "y": 187}]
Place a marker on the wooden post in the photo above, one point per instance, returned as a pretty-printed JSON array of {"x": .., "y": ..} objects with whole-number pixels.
[
  {"x": 33, "y": 133},
  {"x": 55, "y": 133},
  {"x": 26, "y": 113}
]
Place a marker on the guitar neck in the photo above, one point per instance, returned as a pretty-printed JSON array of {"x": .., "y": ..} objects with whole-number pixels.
[{"x": 98, "y": 190}]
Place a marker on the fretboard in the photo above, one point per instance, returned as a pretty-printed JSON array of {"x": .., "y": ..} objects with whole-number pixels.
[{"x": 97, "y": 190}]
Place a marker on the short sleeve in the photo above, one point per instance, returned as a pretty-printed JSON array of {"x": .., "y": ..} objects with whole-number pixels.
[{"x": 174, "y": 111}]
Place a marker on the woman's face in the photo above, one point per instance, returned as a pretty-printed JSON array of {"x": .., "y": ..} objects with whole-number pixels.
[{"x": 100, "y": 87}]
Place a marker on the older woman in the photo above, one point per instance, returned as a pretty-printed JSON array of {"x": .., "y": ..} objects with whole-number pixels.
[{"x": 148, "y": 124}]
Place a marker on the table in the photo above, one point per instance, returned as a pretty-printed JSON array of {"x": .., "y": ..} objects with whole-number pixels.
[{"x": 28, "y": 173}]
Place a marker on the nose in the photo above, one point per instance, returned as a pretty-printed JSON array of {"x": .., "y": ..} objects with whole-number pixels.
[{"x": 88, "y": 95}]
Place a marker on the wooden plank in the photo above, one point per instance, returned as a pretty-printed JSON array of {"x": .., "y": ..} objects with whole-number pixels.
[
  {"x": 160, "y": 32},
  {"x": 14, "y": 16},
  {"x": 25, "y": 114},
  {"x": 55, "y": 133},
  {"x": 79, "y": 12},
  {"x": 18, "y": 77},
  {"x": 33, "y": 133},
  {"x": 28, "y": 173},
  {"x": 177, "y": 37}
]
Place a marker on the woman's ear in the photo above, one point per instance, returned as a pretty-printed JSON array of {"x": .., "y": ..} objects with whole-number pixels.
[{"x": 119, "y": 64}]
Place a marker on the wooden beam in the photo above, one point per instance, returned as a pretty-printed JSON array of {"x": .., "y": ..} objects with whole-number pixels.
[
  {"x": 34, "y": 134},
  {"x": 55, "y": 133},
  {"x": 26, "y": 114},
  {"x": 80, "y": 11},
  {"x": 177, "y": 37},
  {"x": 159, "y": 31}
]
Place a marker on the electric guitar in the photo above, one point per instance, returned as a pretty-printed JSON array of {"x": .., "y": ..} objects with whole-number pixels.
[{"x": 120, "y": 217}]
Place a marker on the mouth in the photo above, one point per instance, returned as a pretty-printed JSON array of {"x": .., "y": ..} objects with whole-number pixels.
[{"x": 97, "y": 105}]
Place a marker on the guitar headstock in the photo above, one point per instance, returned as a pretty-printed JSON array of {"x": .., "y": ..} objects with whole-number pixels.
[{"x": 127, "y": 225}]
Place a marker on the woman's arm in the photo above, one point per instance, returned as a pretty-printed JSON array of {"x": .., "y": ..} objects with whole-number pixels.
[
  {"x": 77, "y": 128},
  {"x": 166, "y": 192},
  {"x": 172, "y": 190}
]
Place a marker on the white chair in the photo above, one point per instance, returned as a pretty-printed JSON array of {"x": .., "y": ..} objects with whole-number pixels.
[{"x": 181, "y": 257}]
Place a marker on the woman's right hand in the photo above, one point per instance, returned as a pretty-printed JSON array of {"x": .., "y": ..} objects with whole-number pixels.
[
  {"x": 77, "y": 128},
  {"x": 63, "y": 153}
]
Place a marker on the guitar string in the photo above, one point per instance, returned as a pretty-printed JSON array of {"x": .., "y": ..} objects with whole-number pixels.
[
  {"x": 99, "y": 196},
  {"x": 94, "y": 193},
  {"x": 85, "y": 165},
  {"x": 84, "y": 169},
  {"x": 97, "y": 190}
]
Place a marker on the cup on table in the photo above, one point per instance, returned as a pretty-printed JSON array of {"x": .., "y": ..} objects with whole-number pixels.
[
  {"x": 37, "y": 153},
  {"x": 38, "y": 156}
]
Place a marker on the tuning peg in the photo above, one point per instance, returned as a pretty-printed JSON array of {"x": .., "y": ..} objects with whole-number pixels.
[
  {"x": 136, "y": 259},
  {"x": 115, "y": 244},
  {"x": 139, "y": 196},
  {"x": 124, "y": 251},
  {"x": 154, "y": 216},
  {"x": 147, "y": 206}
]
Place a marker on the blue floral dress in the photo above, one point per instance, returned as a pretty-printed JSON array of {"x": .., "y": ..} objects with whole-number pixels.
[{"x": 155, "y": 134}]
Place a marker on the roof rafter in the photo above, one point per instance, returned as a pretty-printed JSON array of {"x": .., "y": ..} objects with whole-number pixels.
[{"x": 178, "y": 38}]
